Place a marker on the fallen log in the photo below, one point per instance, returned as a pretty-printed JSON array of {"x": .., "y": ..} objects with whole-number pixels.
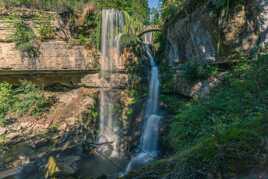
[{"x": 10, "y": 172}]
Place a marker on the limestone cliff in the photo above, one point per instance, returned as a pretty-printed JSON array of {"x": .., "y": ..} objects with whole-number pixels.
[{"x": 56, "y": 53}]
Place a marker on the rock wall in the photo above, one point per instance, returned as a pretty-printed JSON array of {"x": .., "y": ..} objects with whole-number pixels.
[
  {"x": 190, "y": 37},
  {"x": 207, "y": 36},
  {"x": 54, "y": 55}
]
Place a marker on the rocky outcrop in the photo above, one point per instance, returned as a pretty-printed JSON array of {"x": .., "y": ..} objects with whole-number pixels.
[
  {"x": 34, "y": 19},
  {"x": 189, "y": 38},
  {"x": 116, "y": 81},
  {"x": 196, "y": 89},
  {"x": 68, "y": 125}
]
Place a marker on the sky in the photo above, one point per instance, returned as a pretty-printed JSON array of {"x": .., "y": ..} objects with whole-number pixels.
[{"x": 153, "y": 3}]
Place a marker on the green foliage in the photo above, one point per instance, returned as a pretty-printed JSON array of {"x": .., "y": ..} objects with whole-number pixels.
[
  {"x": 224, "y": 7},
  {"x": 226, "y": 4},
  {"x": 167, "y": 78},
  {"x": 222, "y": 134},
  {"x": 136, "y": 68},
  {"x": 55, "y": 5},
  {"x": 135, "y": 8},
  {"x": 94, "y": 22},
  {"x": 133, "y": 25},
  {"x": 228, "y": 154},
  {"x": 24, "y": 99},
  {"x": 128, "y": 41},
  {"x": 28, "y": 99},
  {"x": 172, "y": 103},
  {"x": 25, "y": 40},
  {"x": 46, "y": 31},
  {"x": 90, "y": 122},
  {"x": 155, "y": 14},
  {"x": 192, "y": 70},
  {"x": 171, "y": 7},
  {"x": 89, "y": 33},
  {"x": 136, "y": 13},
  {"x": 5, "y": 100},
  {"x": 169, "y": 11},
  {"x": 93, "y": 113}
]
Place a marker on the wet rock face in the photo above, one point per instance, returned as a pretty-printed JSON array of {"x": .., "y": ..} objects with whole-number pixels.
[
  {"x": 200, "y": 46},
  {"x": 190, "y": 38}
]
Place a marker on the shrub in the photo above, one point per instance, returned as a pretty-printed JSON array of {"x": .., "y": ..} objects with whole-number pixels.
[
  {"x": 5, "y": 100},
  {"x": 24, "y": 99},
  {"x": 222, "y": 134},
  {"x": 25, "y": 40},
  {"x": 87, "y": 33},
  {"x": 28, "y": 99},
  {"x": 46, "y": 31},
  {"x": 193, "y": 70},
  {"x": 128, "y": 41},
  {"x": 83, "y": 40}
]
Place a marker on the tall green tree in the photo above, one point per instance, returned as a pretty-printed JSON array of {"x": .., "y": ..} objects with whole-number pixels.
[{"x": 137, "y": 8}]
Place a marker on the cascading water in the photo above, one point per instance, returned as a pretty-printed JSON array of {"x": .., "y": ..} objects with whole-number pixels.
[
  {"x": 149, "y": 139},
  {"x": 148, "y": 38},
  {"x": 112, "y": 27}
]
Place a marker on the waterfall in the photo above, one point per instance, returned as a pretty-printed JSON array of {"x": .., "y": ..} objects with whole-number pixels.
[
  {"x": 149, "y": 139},
  {"x": 112, "y": 28},
  {"x": 148, "y": 38}
]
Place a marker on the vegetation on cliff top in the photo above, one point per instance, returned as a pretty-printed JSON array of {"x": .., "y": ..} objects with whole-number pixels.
[
  {"x": 137, "y": 8},
  {"x": 82, "y": 17},
  {"x": 171, "y": 8}
]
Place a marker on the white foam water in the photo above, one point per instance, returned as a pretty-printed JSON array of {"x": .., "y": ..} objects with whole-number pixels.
[{"x": 112, "y": 28}]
